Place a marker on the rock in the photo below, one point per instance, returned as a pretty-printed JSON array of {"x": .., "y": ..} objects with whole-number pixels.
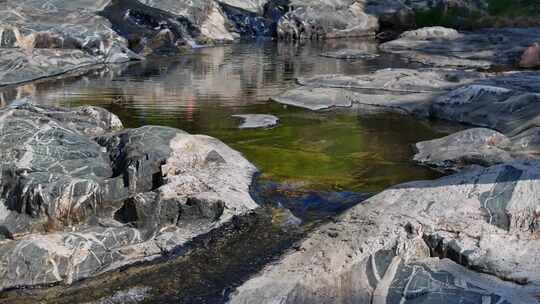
[
  {"x": 79, "y": 198},
  {"x": 327, "y": 98},
  {"x": 40, "y": 24},
  {"x": 249, "y": 24},
  {"x": 477, "y": 146},
  {"x": 43, "y": 38},
  {"x": 398, "y": 90},
  {"x": 253, "y": 121},
  {"x": 253, "y": 6},
  {"x": 321, "y": 19},
  {"x": 131, "y": 296},
  {"x": 531, "y": 57},
  {"x": 470, "y": 237},
  {"x": 350, "y": 54},
  {"x": 508, "y": 111},
  {"x": 442, "y": 47},
  {"x": 207, "y": 15},
  {"x": 18, "y": 66},
  {"x": 150, "y": 30},
  {"x": 392, "y": 14},
  {"x": 397, "y": 80}
]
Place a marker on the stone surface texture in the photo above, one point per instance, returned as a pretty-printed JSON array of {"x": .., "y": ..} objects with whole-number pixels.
[
  {"x": 81, "y": 195},
  {"x": 418, "y": 243}
]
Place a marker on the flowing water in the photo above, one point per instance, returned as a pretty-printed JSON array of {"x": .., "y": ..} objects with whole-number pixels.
[{"x": 198, "y": 92}]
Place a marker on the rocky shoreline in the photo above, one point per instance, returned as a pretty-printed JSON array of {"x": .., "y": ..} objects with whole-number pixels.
[
  {"x": 470, "y": 237},
  {"x": 83, "y": 196},
  {"x": 41, "y": 38}
]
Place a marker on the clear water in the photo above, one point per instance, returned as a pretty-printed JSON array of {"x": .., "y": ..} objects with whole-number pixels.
[{"x": 199, "y": 91}]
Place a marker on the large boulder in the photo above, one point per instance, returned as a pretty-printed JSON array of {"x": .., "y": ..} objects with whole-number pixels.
[
  {"x": 321, "y": 19},
  {"x": 79, "y": 198},
  {"x": 466, "y": 238},
  {"x": 30, "y": 25}
]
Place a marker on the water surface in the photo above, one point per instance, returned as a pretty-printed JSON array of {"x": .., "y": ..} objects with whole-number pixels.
[{"x": 199, "y": 91}]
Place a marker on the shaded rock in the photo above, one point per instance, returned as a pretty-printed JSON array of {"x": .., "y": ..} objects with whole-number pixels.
[
  {"x": 207, "y": 15},
  {"x": 150, "y": 30},
  {"x": 477, "y": 146},
  {"x": 508, "y": 111},
  {"x": 78, "y": 199},
  {"x": 253, "y": 121},
  {"x": 321, "y": 19},
  {"x": 443, "y": 47},
  {"x": 387, "y": 249},
  {"x": 249, "y": 24},
  {"x": 531, "y": 57},
  {"x": 527, "y": 142},
  {"x": 392, "y": 14}
]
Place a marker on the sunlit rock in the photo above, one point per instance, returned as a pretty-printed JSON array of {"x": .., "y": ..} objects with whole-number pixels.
[
  {"x": 470, "y": 237},
  {"x": 80, "y": 196}
]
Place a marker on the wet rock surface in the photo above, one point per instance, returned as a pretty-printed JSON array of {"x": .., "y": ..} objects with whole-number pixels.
[
  {"x": 254, "y": 121},
  {"x": 419, "y": 242},
  {"x": 80, "y": 198}
]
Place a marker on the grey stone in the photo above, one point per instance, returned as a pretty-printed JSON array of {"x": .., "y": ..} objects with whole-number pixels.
[
  {"x": 508, "y": 111},
  {"x": 350, "y": 54},
  {"x": 321, "y": 19},
  {"x": 477, "y": 146},
  {"x": 467, "y": 238},
  {"x": 443, "y": 47},
  {"x": 80, "y": 198},
  {"x": 253, "y": 121},
  {"x": 18, "y": 66}
]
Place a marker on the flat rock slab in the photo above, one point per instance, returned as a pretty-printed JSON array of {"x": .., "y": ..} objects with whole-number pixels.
[
  {"x": 350, "y": 54},
  {"x": 387, "y": 249},
  {"x": 18, "y": 66},
  {"x": 254, "y": 121},
  {"x": 443, "y": 47},
  {"x": 82, "y": 196},
  {"x": 321, "y": 98},
  {"x": 397, "y": 80}
]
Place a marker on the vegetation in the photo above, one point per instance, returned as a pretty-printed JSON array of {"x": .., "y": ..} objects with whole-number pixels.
[{"x": 498, "y": 13}]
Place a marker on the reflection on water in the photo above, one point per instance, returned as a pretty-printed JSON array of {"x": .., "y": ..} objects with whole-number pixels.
[{"x": 198, "y": 92}]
